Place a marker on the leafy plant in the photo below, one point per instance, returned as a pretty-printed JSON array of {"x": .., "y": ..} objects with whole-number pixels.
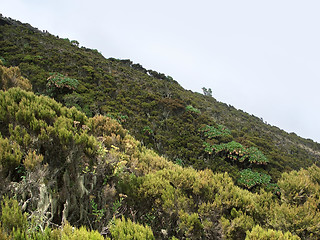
[
  {"x": 213, "y": 132},
  {"x": 57, "y": 82},
  {"x": 147, "y": 130},
  {"x": 190, "y": 108},
  {"x": 250, "y": 178},
  {"x": 235, "y": 151},
  {"x": 98, "y": 213}
]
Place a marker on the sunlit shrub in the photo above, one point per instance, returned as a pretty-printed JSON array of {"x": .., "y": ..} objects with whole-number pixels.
[
  {"x": 297, "y": 186},
  {"x": 71, "y": 233},
  {"x": 12, "y": 217},
  {"x": 11, "y": 77},
  {"x": 236, "y": 227},
  {"x": 10, "y": 155},
  {"x": 32, "y": 160},
  {"x": 258, "y": 233},
  {"x": 190, "y": 225},
  {"x": 126, "y": 229}
]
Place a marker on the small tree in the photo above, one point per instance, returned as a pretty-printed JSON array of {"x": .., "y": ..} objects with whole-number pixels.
[{"x": 207, "y": 92}]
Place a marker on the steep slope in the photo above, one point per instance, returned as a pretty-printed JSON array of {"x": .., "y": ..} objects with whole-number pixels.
[
  {"x": 153, "y": 106},
  {"x": 59, "y": 164},
  {"x": 62, "y": 166}
]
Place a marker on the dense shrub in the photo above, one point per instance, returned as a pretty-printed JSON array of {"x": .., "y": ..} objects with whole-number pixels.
[
  {"x": 11, "y": 77},
  {"x": 126, "y": 229},
  {"x": 258, "y": 233}
]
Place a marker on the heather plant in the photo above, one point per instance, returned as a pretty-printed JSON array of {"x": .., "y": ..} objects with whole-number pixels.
[
  {"x": 126, "y": 229},
  {"x": 11, "y": 77},
  {"x": 10, "y": 155},
  {"x": 12, "y": 217},
  {"x": 32, "y": 160},
  {"x": 258, "y": 233}
]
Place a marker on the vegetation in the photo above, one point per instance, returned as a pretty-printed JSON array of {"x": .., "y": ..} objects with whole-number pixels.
[
  {"x": 120, "y": 152},
  {"x": 57, "y": 83}
]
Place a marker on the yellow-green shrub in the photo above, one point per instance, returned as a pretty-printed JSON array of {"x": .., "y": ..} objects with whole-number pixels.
[
  {"x": 11, "y": 77},
  {"x": 297, "y": 186},
  {"x": 10, "y": 154},
  {"x": 12, "y": 217},
  {"x": 190, "y": 225},
  {"x": 71, "y": 233},
  {"x": 258, "y": 233},
  {"x": 237, "y": 226},
  {"x": 302, "y": 220},
  {"x": 32, "y": 160},
  {"x": 123, "y": 229}
]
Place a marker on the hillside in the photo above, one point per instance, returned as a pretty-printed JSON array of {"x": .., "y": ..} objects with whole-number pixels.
[
  {"x": 187, "y": 166},
  {"x": 144, "y": 99}
]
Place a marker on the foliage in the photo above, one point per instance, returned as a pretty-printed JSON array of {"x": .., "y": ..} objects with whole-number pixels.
[
  {"x": 12, "y": 217},
  {"x": 71, "y": 233},
  {"x": 126, "y": 229},
  {"x": 11, "y": 77},
  {"x": 58, "y": 82},
  {"x": 207, "y": 92},
  {"x": 15, "y": 225},
  {"x": 258, "y": 233},
  {"x": 10, "y": 155},
  {"x": 174, "y": 201},
  {"x": 147, "y": 130},
  {"x": 190, "y": 108},
  {"x": 148, "y": 98},
  {"x": 214, "y": 132},
  {"x": 250, "y": 178},
  {"x": 235, "y": 151},
  {"x": 32, "y": 160},
  {"x": 2, "y": 61},
  {"x": 298, "y": 186}
]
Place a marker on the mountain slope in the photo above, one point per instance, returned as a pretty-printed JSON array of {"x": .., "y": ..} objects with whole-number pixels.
[
  {"x": 150, "y": 104},
  {"x": 60, "y": 164}
]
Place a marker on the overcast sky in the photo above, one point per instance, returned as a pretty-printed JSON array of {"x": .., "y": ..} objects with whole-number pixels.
[{"x": 260, "y": 56}]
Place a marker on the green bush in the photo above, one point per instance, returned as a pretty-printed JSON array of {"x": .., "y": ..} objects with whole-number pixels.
[
  {"x": 235, "y": 151},
  {"x": 11, "y": 77},
  {"x": 190, "y": 108},
  {"x": 70, "y": 233},
  {"x": 58, "y": 82},
  {"x": 258, "y": 233},
  {"x": 10, "y": 154},
  {"x": 250, "y": 178},
  {"x": 213, "y": 132},
  {"x": 12, "y": 217},
  {"x": 123, "y": 229}
]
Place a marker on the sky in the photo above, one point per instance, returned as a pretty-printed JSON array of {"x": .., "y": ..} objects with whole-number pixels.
[{"x": 259, "y": 56}]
